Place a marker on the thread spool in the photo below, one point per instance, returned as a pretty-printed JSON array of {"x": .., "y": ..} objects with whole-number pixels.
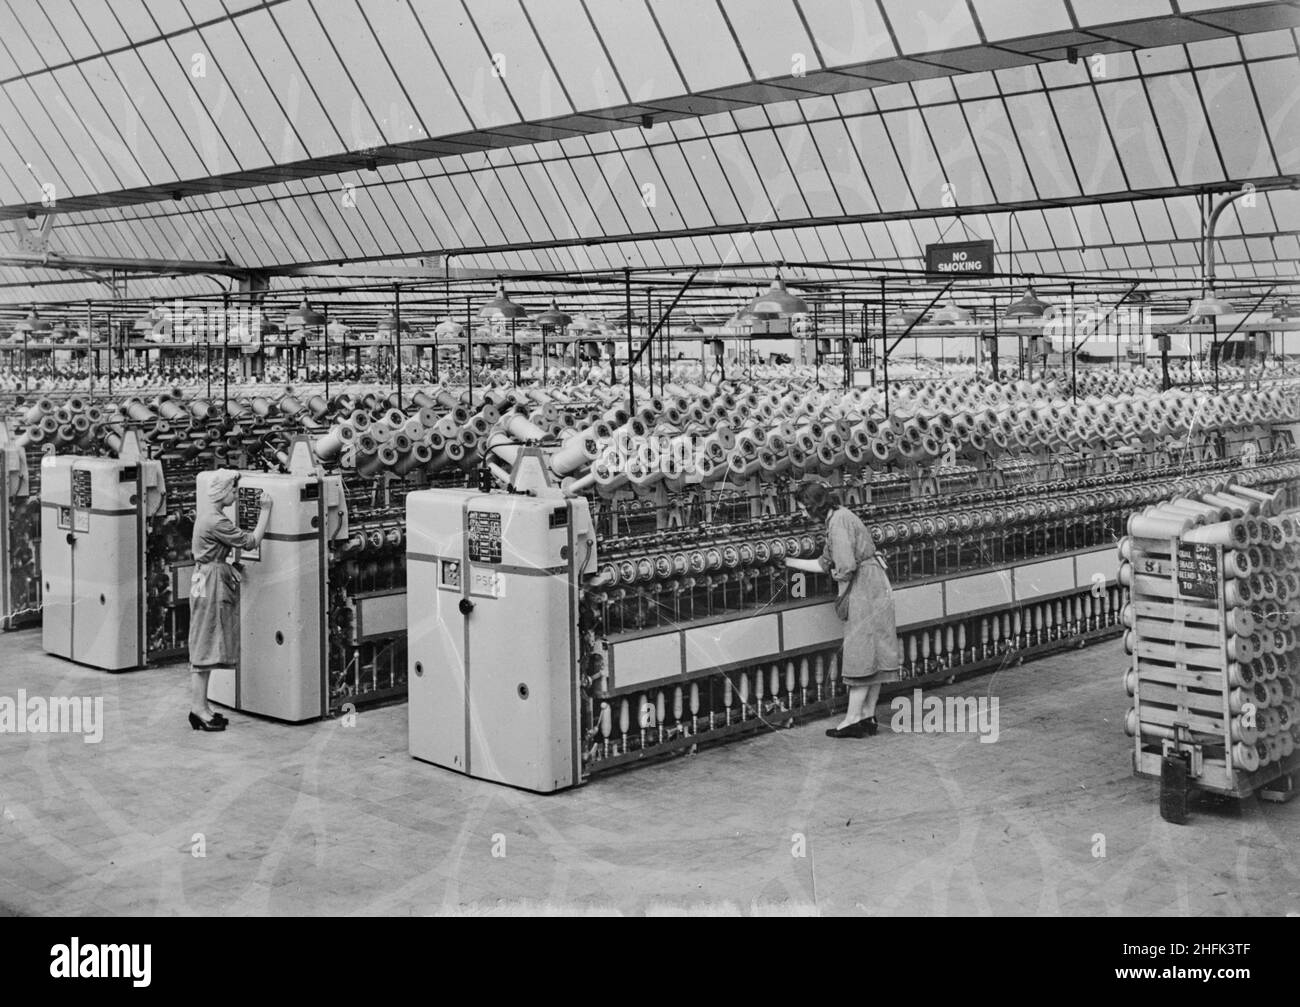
[
  {"x": 1226, "y": 533},
  {"x": 1158, "y": 526}
]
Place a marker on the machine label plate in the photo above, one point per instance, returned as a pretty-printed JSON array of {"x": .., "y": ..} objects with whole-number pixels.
[
  {"x": 81, "y": 489},
  {"x": 487, "y": 583},
  {"x": 484, "y": 537}
]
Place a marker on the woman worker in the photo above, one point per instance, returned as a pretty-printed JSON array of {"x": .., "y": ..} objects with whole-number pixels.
[
  {"x": 214, "y": 593},
  {"x": 865, "y": 602}
]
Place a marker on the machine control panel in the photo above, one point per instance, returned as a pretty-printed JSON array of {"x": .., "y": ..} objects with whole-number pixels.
[
  {"x": 484, "y": 536},
  {"x": 248, "y": 508},
  {"x": 81, "y": 495}
]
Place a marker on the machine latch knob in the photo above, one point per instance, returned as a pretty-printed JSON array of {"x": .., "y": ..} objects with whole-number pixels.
[{"x": 466, "y": 606}]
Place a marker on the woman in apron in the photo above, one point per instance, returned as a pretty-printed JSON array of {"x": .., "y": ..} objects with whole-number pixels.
[
  {"x": 214, "y": 593},
  {"x": 865, "y": 602}
]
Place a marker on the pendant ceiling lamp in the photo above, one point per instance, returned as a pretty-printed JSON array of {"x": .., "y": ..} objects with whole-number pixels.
[
  {"x": 149, "y": 321},
  {"x": 1027, "y": 306},
  {"x": 777, "y": 301},
  {"x": 693, "y": 330},
  {"x": 1210, "y": 304},
  {"x": 449, "y": 329},
  {"x": 585, "y": 323},
  {"x": 903, "y": 318},
  {"x": 304, "y": 317},
  {"x": 553, "y": 317},
  {"x": 33, "y": 323},
  {"x": 388, "y": 323},
  {"x": 501, "y": 306},
  {"x": 951, "y": 314},
  {"x": 337, "y": 328}
]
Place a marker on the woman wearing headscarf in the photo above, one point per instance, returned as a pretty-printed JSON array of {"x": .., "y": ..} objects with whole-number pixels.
[
  {"x": 865, "y": 602},
  {"x": 214, "y": 593}
]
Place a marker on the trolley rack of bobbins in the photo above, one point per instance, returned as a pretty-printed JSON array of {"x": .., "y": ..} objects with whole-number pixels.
[{"x": 1215, "y": 669}]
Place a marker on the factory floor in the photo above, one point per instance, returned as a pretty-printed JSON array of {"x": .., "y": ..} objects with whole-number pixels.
[{"x": 326, "y": 818}]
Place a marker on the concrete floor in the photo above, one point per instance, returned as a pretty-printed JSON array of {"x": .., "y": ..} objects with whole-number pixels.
[{"x": 330, "y": 819}]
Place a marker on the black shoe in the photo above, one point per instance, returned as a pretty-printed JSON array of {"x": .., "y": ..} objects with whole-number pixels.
[
  {"x": 855, "y": 730},
  {"x": 199, "y": 724},
  {"x": 870, "y": 726},
  {"x": 219, "y": 718}
]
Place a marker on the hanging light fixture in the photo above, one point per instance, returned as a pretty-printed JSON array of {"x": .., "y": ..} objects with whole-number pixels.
[
  {"x": 693, "y": 330},
  {"x": 502, "y": 307},
  {"x": 951, "y": 314},
  {"x": 304, "y": 317},
  {"x": 388, "y": 324},
  {"x": 149, "y": 321},
  {"x": 903, "y": 318},
  {"x": 585, "y": 323},
  {"x": 1210, "y": 304},
  {"x": 553, "y": 317},
  {"x": 1027, "y": 306},
  {"x": 61, "y": 332},
  {"x": 1285, "y": 311},
  {"x": 777, "y": 301},
  {"x": 337, "y": 328},
  {"x": 448, "y": 328},
  {"x": 33, "y": 323}
]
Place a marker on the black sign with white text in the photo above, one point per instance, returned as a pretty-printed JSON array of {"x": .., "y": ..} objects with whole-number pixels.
[{"x": 965, "y": 258}]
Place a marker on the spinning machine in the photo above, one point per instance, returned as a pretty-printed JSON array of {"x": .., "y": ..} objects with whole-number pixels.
[{"x": 682, "y": 627}]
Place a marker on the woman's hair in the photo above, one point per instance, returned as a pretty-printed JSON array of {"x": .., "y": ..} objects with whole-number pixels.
[{"x": 818, "y": 498}]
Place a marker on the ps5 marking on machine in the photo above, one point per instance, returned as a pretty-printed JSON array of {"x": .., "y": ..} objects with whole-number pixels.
[
  {"x": 923, "y": 714},
  {"x": 75, "y": 960},
  {"x": 82, "y": 715}
]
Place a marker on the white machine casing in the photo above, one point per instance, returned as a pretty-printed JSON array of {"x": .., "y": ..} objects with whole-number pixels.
[
  {"x": 283, "y": 653},
  {"x": 492, "y": 633},
  {"x": 93, "y": 513}
]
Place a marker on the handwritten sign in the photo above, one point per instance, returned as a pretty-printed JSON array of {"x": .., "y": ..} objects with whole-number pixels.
[{"x": 1198, "y": 573}]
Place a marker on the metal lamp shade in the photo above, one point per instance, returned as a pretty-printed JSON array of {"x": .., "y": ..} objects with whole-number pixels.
[
  {"x": 902, "y": 319},
  {"x": 304, "y": 317},
  {"x": 554, "y": 318},
  {"x": 777, "y": 301},
  {"x": 951, "y": 314},
  {"x": 1028, "y": 305},
  {"x": 501, "y": 306},
  {"x": 1210, "y": 304},
  {"x": 388, "y": 324}
]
